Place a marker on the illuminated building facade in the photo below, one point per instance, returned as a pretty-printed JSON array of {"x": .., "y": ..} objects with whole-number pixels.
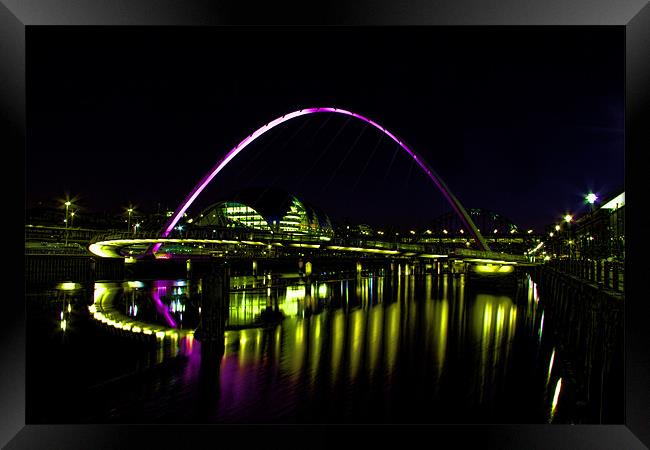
[
  {"x": 600, "y": 234},
  {"x": 266, "y": 210}
]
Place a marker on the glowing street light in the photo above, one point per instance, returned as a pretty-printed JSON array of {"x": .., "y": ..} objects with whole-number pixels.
[
  {"x": 568, "y": 218},
  {"x": 71, "y": 218},
  {"x": 67, "y": 207},
  {"x": 130, "y": 211},
  {"x": 591, "y": 198},
  {"x": 557, "y": 228}
]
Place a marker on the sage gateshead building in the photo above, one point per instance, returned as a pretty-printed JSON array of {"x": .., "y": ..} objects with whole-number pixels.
[{"x": 261, "y": 210}]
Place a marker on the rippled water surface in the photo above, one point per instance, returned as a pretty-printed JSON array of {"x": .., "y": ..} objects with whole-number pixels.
[{"x": 367, "y": 348}]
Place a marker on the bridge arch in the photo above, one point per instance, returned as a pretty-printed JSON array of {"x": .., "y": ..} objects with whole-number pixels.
[{"x": 202, "y": 184}]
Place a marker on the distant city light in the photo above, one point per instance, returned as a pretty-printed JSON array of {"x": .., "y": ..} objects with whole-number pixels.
[
  {"x": 557, "y": 228},
  {"x": 568, "y": 218},
  {"x": 530, "y": 231}
]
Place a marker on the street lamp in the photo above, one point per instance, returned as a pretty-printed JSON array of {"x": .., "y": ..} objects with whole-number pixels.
[
  {"x": 128, "y": 226},
  {"x": 591, "y": 198},
  {"x": 67, "y": 206},
  {"x": 72, "y": 218},
  {"x": 568, "y": 218}
]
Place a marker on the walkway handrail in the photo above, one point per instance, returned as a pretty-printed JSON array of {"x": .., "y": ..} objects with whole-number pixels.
[{"x": 607, "y": 274}]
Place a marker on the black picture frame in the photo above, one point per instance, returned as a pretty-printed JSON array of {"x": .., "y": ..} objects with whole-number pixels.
[{"x": 634, "y": 15}]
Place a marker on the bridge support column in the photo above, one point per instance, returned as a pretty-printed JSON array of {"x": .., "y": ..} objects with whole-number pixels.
[
  {"x": 89, "y": 284},
  {"x": 214, "y": 311}
]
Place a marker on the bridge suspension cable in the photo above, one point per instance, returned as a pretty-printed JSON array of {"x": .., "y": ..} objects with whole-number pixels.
[
  {"x": 365, "y": 166},
  {"x": 453, "y": 201},
  {"x": 335, "y": 171},
  {"x": 322, "y": 153}
]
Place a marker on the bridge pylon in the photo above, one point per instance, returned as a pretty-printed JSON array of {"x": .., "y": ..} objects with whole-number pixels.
[{"x": 214, "y": 306}]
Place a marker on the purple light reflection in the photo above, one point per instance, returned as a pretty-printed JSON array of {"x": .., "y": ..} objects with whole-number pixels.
[
  {"x": 159, "y": 285},
  {"x": 453, "y": 201}
]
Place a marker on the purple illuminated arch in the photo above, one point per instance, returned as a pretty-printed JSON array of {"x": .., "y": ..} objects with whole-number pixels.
[{"x": 453, "y": 201}]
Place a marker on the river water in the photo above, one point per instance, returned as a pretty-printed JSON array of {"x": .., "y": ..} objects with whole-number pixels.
[{"x": 350, "y": 349}]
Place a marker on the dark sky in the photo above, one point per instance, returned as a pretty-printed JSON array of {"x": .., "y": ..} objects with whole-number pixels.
[{"x": 521, "y": 121}]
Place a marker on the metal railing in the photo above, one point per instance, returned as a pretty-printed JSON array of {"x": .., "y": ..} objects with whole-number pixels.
[{"x": 603, "y": 273}]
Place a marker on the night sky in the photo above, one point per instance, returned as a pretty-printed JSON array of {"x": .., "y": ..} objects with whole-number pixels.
[{"x": 521, "y": 121}]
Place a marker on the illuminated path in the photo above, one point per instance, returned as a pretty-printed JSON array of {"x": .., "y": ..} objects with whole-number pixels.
[
  {"x": 453, "y": 201},
  {"x": 113, "y": 249}
]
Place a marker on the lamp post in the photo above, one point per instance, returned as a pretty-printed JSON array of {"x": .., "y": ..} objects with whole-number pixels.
[
  {"x": 591, "y": 199},
  {"x": 67, "y": 206},
  {"x": 72, "y": 218},
  {"x": 128, "y": 226},
  {"x": 568, "y": 218}
]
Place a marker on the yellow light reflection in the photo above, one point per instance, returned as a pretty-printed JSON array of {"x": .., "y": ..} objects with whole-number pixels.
[
  {"x": 550, "y": 366},
  {"x": 337, "y": 336},
  {"x": 556, "y": 396},
  {"x": 356, "y": 342},
  {"x": 442, "y": 314},
  {"x": 391, "y": 339},
  {"x": 315, "y": 346},
  {"x": 376, "y": 322}
]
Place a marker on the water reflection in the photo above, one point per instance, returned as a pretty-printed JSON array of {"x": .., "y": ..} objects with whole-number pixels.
[{"x": 368, "y": 348}]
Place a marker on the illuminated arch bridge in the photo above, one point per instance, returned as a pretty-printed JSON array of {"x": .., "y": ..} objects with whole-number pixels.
[{"x": 250, "y": 214}]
